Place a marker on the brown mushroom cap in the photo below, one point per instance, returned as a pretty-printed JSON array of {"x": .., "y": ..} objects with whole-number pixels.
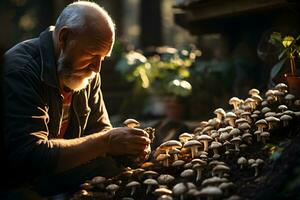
[
  {"x": 162, "y": 191},
  {"x": 165, "y": 179},
  {"x": 131, "y": 123}
]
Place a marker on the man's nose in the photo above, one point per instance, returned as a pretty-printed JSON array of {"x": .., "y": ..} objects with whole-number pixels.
[{"x": 96, "y": 66}]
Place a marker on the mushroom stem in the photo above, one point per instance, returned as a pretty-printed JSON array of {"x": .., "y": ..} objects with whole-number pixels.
[
  {"x": 199, "y": 174},
  {"x": 205, "y": 143},
  {"x": 133, "y": 189},
  {"x": 148, "y": 189}
]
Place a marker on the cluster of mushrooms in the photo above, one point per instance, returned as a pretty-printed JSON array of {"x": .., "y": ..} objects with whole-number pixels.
[{"x": 194, "y": 167}]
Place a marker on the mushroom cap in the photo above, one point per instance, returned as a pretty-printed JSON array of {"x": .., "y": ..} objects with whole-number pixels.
[
  {"x": 162, "y": 191},
  {"x": 282, "y": 107},
  {"x": 241, "y": 120},
  {"x": 171, "y": 144},
  {"x": 226, "y": 185},
  {"x": 187, "y": 173},
  {"x": 289, "y": 97},
  {"x": 215, "y": 145},
  {"x": 261, "y": 122},
  {"x": 242, "y": 160},
  {"x": 233, "y": 100},
  {"x": 197, "y": 160},
  {"x": 244, "y": 126},
  {"x": 222, "y": 168},
  {"x": 133, "y": 122},
  {"x": 285, "y": 118},
  {"x": 192, "y": 143},
  {"x": 272, "y": 119},
  {"x": 185, "y": 136},
  {"x": 253, "y": 91},
  {"x": 265, "y": 134},
  {"x": 150, "y": 181},
  {"x": 179, "y": 189},
  {"x": 211, "y": 191},
  {"x": 165, "y": 197},
  {"x": 251, "y": 161},
  {"x": 133, "y": 183},
  {"x": 256, "y": 97},
  {"x": 204, "y": 137},
  {"x": 165, "y": 179},
  {"x": 147, "y": 165},
  {"x": 236, "y": 139},
  {"x": 224, "y": 136},
  {"x": 259, "y": 161},
  {"x": 220, "y": 111},
  {"x": 178, "y": 163},
  {"x": 265, "y": 110},
  {"x": 281, "y": 86},
  {"x": 112, "y": 187},
  {"x": 162, "y": 157},
  {"x": 231, "y": 115},
  {"x": 212, "y": 181},
  {"x": 150, "y": 173},
  {"x": 98, "y": 180}
]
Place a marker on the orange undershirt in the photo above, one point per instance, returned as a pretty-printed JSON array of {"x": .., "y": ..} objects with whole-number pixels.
[{"x": 66, "y": 108}]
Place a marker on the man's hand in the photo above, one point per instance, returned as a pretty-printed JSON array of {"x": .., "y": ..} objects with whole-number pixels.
[{"x": 124, "y": 140}]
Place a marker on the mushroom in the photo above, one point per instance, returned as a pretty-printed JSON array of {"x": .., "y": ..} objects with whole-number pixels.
[
  {"x": 187, "y": 173},
  {"x": 257, "y": 163},
  {"x": 242, "y": 161},
  {"x": 165, "y": 197},
  {"x": 285, "y": 120},
  {"x": 226, "y": 187},
  {"x": 98, "y": 181},
  {"x": 112, "y": 188},
  {"x": 272, "y": 121},
  {"x": 150, "y": 183},
  {"x": 171, "y": 144},
  {"x": 162, "y": 191},
  {"x": 133, "y": 185},
  {"x": 230, "y": 117},
  {"x": 214, "y": 146},
  {"x": 211, "y": 192},
  {"x": 193, "y": 145},
  {"x": 150, "y": 174},
  {"x": 235, "y": 102},
  {"x": 198, "y": 165},
  {"x": 219, "y": 170},
  {"x": 253, "y": 92},
  {"x": 179, "y": 190},
  {"x": 236, "y": 141},
  {"x": 282, "y": 107},
  {"x": 165, "y": 179},
  {"x": 184, "y": 137},
  {"x": 264, "y": 136},
  {"x": 213, "y": 181},
  {"x": 247, "y": 137},
  {"x": 220, "y": 113},
  {"x": 289, "y": 99},
  {"x": 261, "y": 124},
  {"x": 178, "y": 163},
  {"x": 204, "y": 139},
  {"x": 131, "y": 123}
]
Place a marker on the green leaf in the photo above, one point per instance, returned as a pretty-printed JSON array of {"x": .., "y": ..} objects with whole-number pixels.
[
  {"x": 277, "y": 68},
  {"x": 282, "y": 53}
]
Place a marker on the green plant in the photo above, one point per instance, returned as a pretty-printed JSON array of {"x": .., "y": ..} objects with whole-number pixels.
[
  {"x": 289, "y": 51},
  {"x": 164, "y": 72}
]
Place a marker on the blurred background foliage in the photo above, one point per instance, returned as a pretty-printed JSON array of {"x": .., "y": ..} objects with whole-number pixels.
[{"x": 226, "y": 62}]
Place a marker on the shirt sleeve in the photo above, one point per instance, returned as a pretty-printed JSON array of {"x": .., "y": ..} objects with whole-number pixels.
[{"x": 26, "y": 130}]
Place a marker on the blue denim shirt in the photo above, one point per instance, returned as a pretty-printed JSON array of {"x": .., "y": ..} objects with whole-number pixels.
[{"x": 33, "y": 106}]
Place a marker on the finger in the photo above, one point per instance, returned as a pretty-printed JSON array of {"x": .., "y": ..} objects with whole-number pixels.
[
  {"x": 140, "y": 132},
  {"x": 140, "y": 140}
]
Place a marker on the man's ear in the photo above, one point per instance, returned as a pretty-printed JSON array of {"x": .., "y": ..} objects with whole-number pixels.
[{"x": 63, "y": 35}]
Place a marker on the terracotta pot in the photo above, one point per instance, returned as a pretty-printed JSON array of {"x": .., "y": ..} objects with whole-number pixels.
[{"x": 294, "y": 85}]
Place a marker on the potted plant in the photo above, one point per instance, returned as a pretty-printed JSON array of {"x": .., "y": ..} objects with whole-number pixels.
[
  {"x": 162, "y": 75},
  {"x": 288, "y": 56}
]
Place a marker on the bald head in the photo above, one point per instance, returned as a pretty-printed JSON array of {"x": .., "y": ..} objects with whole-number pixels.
[{"x": 86, "y": 17}]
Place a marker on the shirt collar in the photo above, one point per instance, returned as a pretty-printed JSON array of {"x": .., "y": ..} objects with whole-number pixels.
[{"x": 48, "y": 60}]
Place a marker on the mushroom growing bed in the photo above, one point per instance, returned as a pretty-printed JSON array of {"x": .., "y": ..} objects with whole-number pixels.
[{"x": 249, "y": 152}]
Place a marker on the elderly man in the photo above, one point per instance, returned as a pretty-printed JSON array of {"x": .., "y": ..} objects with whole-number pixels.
[{"x": 57, "y": 130}]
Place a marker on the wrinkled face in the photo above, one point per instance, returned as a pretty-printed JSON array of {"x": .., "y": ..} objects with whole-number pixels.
[{"x": 81, "y": 58}]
